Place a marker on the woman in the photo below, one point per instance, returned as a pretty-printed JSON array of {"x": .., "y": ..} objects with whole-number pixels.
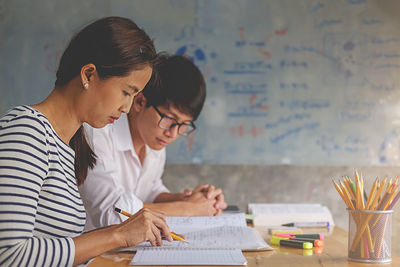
[
  {"x": 131, "y": 152},
  {"x": 41, "y": 212}
]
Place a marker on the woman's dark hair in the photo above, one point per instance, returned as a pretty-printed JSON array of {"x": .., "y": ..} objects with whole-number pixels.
[
  {"x": 116, "y": 46},
  {"x": 178, "y": 82}
]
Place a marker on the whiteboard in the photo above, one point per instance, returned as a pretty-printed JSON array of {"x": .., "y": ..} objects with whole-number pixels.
[{"x": 301, "y": 82}]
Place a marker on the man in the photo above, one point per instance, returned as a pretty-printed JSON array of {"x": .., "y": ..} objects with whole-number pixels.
[{"x": 131, "y": 152}]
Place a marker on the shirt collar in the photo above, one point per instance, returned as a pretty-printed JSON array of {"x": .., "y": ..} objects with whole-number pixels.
[{"x": 122, "y": 134}]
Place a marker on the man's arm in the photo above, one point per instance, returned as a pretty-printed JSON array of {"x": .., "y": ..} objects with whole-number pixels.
[
  {"x": 209, "y": 192},
  {"x": 195, "y": 205},
  {"x": 169, "y": 197}
]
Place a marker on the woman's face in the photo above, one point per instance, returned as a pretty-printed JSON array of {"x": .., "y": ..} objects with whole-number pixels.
[{"x": 113, "y": 96}]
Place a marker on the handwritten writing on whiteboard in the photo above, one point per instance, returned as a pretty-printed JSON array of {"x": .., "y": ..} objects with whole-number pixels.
[{"x": 316, "y": 84}]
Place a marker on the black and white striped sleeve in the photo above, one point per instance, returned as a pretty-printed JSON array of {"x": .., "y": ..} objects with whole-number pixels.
[{"x": 24, "y": 153}]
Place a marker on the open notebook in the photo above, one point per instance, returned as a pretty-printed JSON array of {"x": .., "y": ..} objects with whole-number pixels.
[
  {"x": 219, "y": 232},
  {"x": 188, "y": 256}
]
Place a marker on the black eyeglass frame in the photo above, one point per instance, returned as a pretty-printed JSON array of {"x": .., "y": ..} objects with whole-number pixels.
[{"x": 162, "y": 115}]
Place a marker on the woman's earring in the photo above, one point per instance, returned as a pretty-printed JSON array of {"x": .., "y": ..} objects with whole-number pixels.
[{"x": 86, "y": 85}]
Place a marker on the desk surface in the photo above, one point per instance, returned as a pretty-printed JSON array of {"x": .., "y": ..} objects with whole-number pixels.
[{"x": 334, "y": 253}]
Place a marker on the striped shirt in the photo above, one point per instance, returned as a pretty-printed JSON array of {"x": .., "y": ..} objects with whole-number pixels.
[{"x": 40, "y": 205}]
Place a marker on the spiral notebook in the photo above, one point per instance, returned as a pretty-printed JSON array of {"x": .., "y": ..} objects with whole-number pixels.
[{"x": 188, "y": 256}]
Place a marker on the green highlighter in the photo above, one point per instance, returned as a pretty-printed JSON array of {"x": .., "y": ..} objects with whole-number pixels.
[{"x": 278, "y": 241}]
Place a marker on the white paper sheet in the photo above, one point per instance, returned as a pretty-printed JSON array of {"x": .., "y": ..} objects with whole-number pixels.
[{"x": 185, "y": 256}]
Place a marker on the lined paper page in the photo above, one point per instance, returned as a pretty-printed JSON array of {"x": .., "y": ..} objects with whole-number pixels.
[
  {"x": 226, "y": 231},
  {"x": 186, "y": 256},
  {"x": 244, "y": 238}
]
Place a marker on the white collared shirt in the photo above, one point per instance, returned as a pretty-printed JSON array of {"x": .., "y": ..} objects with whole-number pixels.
[{"x": 118, "y": 178}]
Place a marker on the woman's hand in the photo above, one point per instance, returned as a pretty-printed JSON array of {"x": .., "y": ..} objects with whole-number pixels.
[{"x": 145, "y": 225}]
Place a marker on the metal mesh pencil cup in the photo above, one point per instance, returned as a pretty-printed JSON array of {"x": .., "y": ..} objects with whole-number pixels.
[{"x": 370, "y": 235}]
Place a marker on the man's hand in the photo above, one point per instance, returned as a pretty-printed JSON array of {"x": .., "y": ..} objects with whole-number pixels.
[{"x": 210, "y": 192}]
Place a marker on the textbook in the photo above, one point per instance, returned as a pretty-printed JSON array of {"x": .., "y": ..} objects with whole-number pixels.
[
  {"x": 277, "y": 214},
  {"x": 228, "y": 231}
]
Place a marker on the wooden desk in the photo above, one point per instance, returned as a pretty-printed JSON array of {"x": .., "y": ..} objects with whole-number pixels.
[{"x": 334, "y": 253}]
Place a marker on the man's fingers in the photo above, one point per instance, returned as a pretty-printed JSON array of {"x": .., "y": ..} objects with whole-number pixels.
[
  {"x": 216, "y": 192},
  {"x": 213, "y": 192},
  {"x": 187, "y": 192},
  {"x": 221, "y": 204},
  {"x": 218, "y": 212},
  {"x": 200, "y": 188}
]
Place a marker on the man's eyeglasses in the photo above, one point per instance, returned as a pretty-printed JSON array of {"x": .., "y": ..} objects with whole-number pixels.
[{"x": 167, "y": 123}]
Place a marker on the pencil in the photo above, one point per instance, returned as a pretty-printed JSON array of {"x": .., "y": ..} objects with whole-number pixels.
[
  {"x": 123, "y": 212},
  {"x": 173, "y": 235},
  {"x": 394, "y": 201},
  {"x": 388, "y": 200},
  {"x": 348, "y": 184},
  {"x": 371, "y": 194},
  {"x": 369, "y": 237},
  {"x": 346, "y": 195},
  {"x": 342, "y": 194}
]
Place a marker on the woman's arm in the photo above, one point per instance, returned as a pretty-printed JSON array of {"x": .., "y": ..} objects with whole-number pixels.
[{"x": 142, "y": 226}]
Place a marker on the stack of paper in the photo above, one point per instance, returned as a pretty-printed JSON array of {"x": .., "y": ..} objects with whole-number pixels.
[{"x": 277, "y": 214}]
